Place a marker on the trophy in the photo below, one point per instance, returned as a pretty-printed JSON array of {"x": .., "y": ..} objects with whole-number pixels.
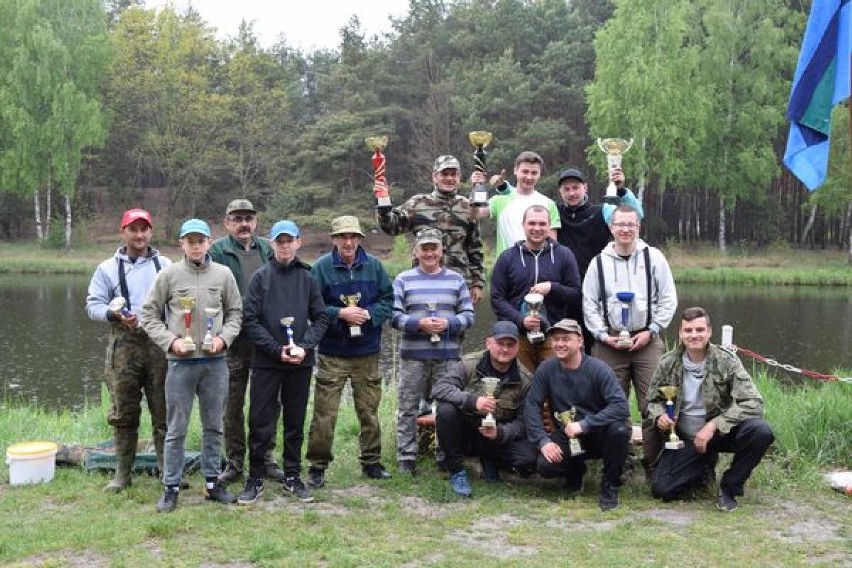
[
  {"x": 490, "y": 384},
  {"x": 624, "y": 336},
  {"x": 291, "y": 348},
  {"x": 351, "y": 301},
  {"x": 614, "y": 148},
  {"x": 566, "y": 417},
  {"x": 480, "y": 139},
  {"x": 433, "y": 312},
  {"x": 670, "y": 392},
  {"x": 380, "y": 188},
  {"x": 534, "y": 302},
  {"x": 118, "y": 306},
  {"x": 187, "y": 303},
  {"x": 207, "y": 344}
]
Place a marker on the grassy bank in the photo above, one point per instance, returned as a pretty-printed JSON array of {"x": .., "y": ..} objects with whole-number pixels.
[{"x": 788, "y": 517}]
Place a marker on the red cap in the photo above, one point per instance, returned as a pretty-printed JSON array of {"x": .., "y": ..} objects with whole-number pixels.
[{"x": 134, "y": 214}]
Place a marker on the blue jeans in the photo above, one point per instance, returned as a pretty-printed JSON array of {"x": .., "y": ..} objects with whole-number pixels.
[{"x": 209, "y": 380}]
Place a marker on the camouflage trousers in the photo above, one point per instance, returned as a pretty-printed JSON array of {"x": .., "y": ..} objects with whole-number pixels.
[
  {"x": 415, "y": 380},
  {"x": 135, "y": 366},
  {"x": 332, "y": 373}
]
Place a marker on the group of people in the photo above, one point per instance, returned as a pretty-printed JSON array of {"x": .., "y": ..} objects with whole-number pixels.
[{"x": 580, "y": 302}]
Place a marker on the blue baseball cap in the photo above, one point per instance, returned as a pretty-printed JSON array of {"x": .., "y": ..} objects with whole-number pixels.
[
  {"x": 194, "y": 226},
  {"x": 285, "y": 227}
]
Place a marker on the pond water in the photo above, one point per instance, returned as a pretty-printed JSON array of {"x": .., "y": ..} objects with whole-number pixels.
[{"x": 52, "y": 354}]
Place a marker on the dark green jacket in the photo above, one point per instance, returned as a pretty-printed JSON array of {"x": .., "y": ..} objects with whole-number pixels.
[{"x": 224, "y": 251}]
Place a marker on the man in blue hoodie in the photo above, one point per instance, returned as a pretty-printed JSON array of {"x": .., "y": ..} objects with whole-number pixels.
[{"x": 358, "y": 296}]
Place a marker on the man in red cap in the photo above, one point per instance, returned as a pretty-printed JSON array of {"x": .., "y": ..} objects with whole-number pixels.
[{"x": 134, "y": 364}]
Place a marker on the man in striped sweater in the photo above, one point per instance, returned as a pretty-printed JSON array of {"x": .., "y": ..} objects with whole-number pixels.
[{"x": 432, "y": 307}]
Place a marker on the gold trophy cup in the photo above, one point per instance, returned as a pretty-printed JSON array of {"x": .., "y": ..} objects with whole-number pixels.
[
  {"x": 670, "y": 392},
  {"x": 490, "y": 385},
  {"x": 187, "y": 303},
  {"x": 351, "y": 301},
  {"x": 614, "y": 148},
  {"x": 534, "y": 301},
  {"x": 566, "y": 417},
  {"x": 480, "y": 139},
  {"x": 207, "y": 344}
]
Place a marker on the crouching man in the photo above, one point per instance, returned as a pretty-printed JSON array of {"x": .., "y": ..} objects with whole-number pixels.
[
  {"x": 466, "y": 407},
  {"x": 589, "y": 412},
  {"x": 717, "y": 408}
]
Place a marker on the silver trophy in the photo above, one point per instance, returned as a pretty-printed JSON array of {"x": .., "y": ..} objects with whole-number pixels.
[
  {"x": 534, "y": 302},
  {"x": 490, "y": 384},
  {"x": 480, "y": 139},
  {"x": 118, "y": 306},
  {"x": 625, "y": 298},
  {"x": 566, "y": 417},
  {"x": 291, "y": 348},
  {"x": 207, "y": 344},
  {"x": 433, "y": 312},
  {"x": 351, "y": 301},
  {"x": 614, "y": 148}
]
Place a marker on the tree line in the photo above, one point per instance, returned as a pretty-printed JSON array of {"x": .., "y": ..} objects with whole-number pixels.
[{"x": 110, "y": 96}]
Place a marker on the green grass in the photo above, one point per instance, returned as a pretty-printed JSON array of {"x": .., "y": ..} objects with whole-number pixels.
[{"x": 788, "y": 517}]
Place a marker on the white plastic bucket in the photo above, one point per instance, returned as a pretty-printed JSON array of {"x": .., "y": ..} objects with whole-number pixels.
[{"x": 31, "y": 462}]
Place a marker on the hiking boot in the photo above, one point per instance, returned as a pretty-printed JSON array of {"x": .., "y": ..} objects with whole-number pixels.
[
  {"x": 316, "y": 477},
  {"x": 408, "y": 466},
  {"x": 460, "y": 484},
  {"x": 274, "y": 472},
  {"x": 490, "y": 471},
  {"x": 231, "y": 474},
  {"x": 609, "y": 496},
  {"x": 168, "y": 500},
  {"x": 294, "y": 485},
  {"x": 218, "y": 493},
  {"x": 376, "y": 471},
  {"x": 253, "y": 490},
  {"x": 725, "y": 502}
]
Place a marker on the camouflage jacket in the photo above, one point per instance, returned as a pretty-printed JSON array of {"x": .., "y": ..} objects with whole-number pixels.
[
  {"x": 730, "y": 395},
  {"x": 447, "y": 212}
]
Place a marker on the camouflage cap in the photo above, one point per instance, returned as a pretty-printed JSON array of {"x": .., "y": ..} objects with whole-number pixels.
[
  {"x": 445, "y": 162},
  {"x": 427, "y": 236},
  {"x": 346, "y": 224},
  {"x": 568, "y": 325},
  {"x": 240, "y": 205}
]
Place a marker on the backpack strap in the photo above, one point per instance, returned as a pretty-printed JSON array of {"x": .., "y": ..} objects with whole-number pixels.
[
  {"x": 602, "y": 289},
  {"x": 647, "y": 252}
]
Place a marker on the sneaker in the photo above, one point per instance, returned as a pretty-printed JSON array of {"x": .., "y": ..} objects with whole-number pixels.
[
  {"x": 460, "y": 483},
  {"x": 490, "y": 472},
  {"x": 725, "y": 502},
  {"x": 218, "y": 493},
  {"x": 253, "y": 490},
  {"x": 231, "y": 474},
  {"x": 316, "y": 477},
  {"x": 274, "y": 472},
  {"x": 295, "y": 486},
  {"x": 168, "y": 500},
  {"x": 408, "y": 466},
  {"x": 376, "y": 471},
  {"x": 609, "y": 497}
]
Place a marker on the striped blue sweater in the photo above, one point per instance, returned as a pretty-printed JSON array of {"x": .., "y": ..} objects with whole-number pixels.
[{"x": 413, "y": 291}]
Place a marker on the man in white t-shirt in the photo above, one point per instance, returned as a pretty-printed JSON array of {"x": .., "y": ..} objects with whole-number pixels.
[{"x": 508, "y": 207}]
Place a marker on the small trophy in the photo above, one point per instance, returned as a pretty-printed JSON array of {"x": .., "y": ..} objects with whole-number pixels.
[
  {"x": 187, "y": 303},
  {"x": 433, "y": 312},
  {"x": 380, "y": 188},
  {"x": 624, "y": 336},
  {"x": 566, "y": 417},
  {"x": 534, "y": 302},
  {"x": 118, "y": 306},
  {"x": 351, "y": 301},
  {"x": 670, "y": 392},
  {"x": 291, "y": 348},
  {"x": 207, "y": 344},
  {"x": 490, "y": 384},
  {"x": 480, "y": 139},
  {"x": 614, "y": 148}
]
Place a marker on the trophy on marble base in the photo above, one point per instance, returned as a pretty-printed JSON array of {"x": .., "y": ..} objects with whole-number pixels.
[
  {"x": 670, "y": 392},
  {"x": 490, "y": 385},
  {"x": 480, "y": 139},
  {"x": 187, "y": 303},
  {"x": 433, "y": 312},
  {"x": 625, "y": 298},
  {"x": 534, "y": 302},
  {"x": 207, "y": 344},
  {"x": 291, "y": 348},
  {"x": 566, "y": 417},
  {"x": 380, "y": 187},
  {"x": 614, "y": 148},
  {"x": 351, "y": 301},
  {"x": 118, "y": 306}
]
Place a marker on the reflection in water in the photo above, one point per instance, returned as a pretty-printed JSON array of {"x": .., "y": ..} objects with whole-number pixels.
[{"x": 53, "y": 355}]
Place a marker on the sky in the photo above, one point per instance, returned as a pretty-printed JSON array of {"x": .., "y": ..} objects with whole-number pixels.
[{"x": 307, "y": 24}]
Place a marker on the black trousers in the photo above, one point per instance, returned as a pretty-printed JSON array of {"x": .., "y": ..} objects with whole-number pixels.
[
  {"x": 678, "y": 471},
  {"x": 609, "y": 443},
  {"x": 274, "y": 393},
  {"x": 458, "y": 434}
]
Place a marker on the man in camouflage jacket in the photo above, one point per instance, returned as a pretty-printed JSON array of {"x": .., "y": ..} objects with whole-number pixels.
[
  {"x": 717, "y": 408},
  {"x": 444, "y": 209}
]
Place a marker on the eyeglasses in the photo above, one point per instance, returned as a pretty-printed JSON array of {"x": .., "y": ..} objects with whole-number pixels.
[
  {"x": 625, "y": 225},
  {"x": 241, "y": 218}
]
